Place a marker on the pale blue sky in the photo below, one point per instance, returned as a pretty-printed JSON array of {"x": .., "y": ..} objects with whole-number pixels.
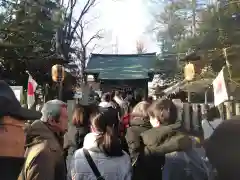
[{"x": 125, "y": 22}]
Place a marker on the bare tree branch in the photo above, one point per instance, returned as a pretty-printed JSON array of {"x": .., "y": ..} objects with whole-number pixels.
[
  {"x": 72, "y": 34},
  {"x": 94, "y": 47},
  {"x": 86, "y": 8},
  {"x": 65, "y": 36},
  {"x": 82, "y": 52},
  {"x": 101, "y": 50},
  {"x": 89, "y": 21},
  {"x": 97, "y": 35}
]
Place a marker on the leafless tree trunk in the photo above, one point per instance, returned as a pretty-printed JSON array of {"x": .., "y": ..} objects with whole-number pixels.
[
  {"x": 66, "y": 34},
  {"x": 73, "y": 31},
  {"x": 84, "y": 45}
]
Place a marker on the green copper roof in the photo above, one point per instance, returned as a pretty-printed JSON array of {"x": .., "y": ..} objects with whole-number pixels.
[{"x": 125, "y": 66}]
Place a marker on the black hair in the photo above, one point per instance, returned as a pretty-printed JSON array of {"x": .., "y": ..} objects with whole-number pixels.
[
  {"x": 106, "y": 97},
  {"x": 156, "y": 108}
]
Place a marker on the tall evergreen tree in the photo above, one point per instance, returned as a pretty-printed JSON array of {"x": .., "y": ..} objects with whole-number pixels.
[{"x": 28, "y": 41}]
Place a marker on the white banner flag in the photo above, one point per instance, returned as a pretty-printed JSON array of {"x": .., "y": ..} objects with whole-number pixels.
[{"x": 220, "y": 89}]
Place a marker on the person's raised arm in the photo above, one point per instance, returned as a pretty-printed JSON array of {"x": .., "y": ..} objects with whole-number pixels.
[{"x": 178, "y": 143}]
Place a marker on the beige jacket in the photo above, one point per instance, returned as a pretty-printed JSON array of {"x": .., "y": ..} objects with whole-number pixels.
[{"x": 44, "y": 155}]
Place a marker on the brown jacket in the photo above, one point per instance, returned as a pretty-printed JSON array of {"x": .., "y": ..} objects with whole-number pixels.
[{"x": 44, "y": 155}]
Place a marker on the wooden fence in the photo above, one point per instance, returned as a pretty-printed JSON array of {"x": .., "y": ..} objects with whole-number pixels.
[{"x": 191, "y": 114}]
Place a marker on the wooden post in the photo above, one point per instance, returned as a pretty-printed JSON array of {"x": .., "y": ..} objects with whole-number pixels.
[
  {"x": 189, "y": 96},
  {"x": 229, "y": 109},
  {"x": 86, "y": 92},
  {"x": 187, "y": 119},
  {"x": 179, "y": 115},
  {"x": 195, "y": 117},
  {"x": 237, "y": 108},
  {"x": 205, "y": 96},
  {"x": 221, "y": 110},
  {"x": 60, "y": 88},
  {"x": 202, "y": 110}
]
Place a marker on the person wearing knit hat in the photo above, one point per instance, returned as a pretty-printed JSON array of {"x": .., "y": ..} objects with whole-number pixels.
[{"x": 223, "y": 150}]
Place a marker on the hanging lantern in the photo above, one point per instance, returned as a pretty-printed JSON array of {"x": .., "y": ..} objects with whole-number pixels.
[
  {"x": 189, "y": 71},
  {"x": 194, "y": 65},
  {"x": 58, "y": 73}
]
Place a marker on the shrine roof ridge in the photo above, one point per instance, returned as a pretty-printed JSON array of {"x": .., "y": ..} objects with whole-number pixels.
[{"x": 129, "y": 55}]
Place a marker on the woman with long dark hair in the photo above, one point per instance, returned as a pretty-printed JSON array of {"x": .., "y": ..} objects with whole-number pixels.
[
  {"x": 78, "y": 129},
  {"x": 101, "y": 156}
]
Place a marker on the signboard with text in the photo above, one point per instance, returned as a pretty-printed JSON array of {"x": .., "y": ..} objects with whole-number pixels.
[{"x": 18, "y": 91}]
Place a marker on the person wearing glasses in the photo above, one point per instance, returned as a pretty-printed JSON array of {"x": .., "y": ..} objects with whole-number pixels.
[{"x": 12, "y": 134}]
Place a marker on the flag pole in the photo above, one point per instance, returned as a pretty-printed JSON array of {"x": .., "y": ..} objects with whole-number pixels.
[
  {"x": 60, "y": 90},
  {"x": 26, "y": 95},
  {"x": 28, "y": 72}
]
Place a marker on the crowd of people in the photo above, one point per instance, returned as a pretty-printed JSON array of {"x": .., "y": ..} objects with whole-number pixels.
[{"x": 118, "y": 138}]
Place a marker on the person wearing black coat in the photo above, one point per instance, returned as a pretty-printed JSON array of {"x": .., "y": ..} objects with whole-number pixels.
[
  {"x": 139, "y": 123},
  {"x": 137, "y": 126}
]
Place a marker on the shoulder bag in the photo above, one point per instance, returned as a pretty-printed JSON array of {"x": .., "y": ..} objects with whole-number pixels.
[
  {"x": 92, "y": 165},
  {"x": 211, "y": 125}
]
